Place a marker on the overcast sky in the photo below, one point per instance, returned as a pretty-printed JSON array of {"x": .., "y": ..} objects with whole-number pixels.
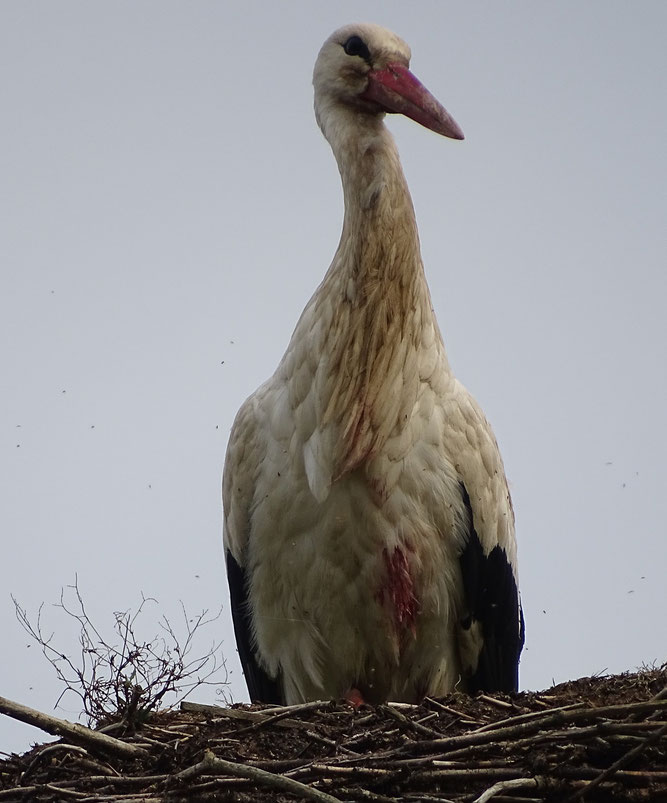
[{"x": 168, "y": 206}]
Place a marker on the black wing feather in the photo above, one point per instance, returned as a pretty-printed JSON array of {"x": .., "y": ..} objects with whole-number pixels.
[
  {"x": 492, "y": 598},
  {"x": 262, "y": 687}
]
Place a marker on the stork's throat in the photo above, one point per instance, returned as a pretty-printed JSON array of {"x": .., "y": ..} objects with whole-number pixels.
[
  {"x": 377, "y": 283},
  {"x": 386, "y": 300}
]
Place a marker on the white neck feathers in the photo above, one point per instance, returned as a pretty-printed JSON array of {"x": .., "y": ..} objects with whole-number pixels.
[{"x": 367, "y": 375}]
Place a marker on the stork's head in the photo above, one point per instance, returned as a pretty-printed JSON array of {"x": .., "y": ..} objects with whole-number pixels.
[{"x": 364, "y": 67}]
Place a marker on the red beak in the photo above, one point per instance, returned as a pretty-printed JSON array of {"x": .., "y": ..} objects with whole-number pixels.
[{"x": 396, "y": 90}]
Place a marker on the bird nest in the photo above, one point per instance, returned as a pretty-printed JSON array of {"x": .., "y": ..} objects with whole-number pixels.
[{"x": 598, "y": 739}]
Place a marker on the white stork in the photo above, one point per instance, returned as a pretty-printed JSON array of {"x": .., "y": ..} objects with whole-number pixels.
[{"x": 368, "y": 526}]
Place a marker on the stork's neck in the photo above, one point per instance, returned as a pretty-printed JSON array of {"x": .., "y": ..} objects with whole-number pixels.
[
  {"x": 379, "y": 228},
  {"x": 376, "y": 285}
]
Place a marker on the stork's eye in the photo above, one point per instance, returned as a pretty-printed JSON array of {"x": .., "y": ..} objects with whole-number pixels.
[{"x": 355, "y": 46}]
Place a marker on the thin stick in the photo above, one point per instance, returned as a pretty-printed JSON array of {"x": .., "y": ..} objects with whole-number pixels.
[
  {"x": 298, "y": 707},
  {"x": 243, "y": 713},
  {"x": 576, "y": 711},
  {"x": 619, "y": 764},
  {"x": 266, "y": 716},
  {"x": 60, "y": 791},
  {"x": 496, "y": 702},
  {"x": 416, "y": 726},
  {"x": 532, "y": 715},
  {"x": 62, "y": 727},
  {"x": 17, "y": 791},
  {"x": 502, "y": 786},
  {"x": 557, "y": 718},
  {"x": 661, "y": 695}
]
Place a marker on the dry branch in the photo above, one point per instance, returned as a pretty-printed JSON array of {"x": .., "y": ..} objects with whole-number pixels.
[
  {"x": 62, "y": 727},
  {"x": 213, "y": 765}
]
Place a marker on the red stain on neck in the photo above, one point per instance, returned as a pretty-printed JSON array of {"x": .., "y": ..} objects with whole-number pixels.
[{"x": 397, "y": 590}]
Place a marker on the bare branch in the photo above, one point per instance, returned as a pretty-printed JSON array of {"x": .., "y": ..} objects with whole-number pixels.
[
  {"x": 62, "y": 727},
  {"x": 213, "y": 765},
  {"x": 124, "y": 677}
]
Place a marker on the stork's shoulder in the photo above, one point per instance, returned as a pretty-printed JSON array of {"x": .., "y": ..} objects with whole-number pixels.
[
  {"x": 469, "y": 438},
  {"x": 469, "y": 428},
  {"x": 262, "y": 426},
  {"x": 238, "y": 476}
]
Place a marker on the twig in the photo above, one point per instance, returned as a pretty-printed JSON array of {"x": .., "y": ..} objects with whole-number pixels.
[
  {"x": 661, "y": 695},
  {"x": 483, "y": 736},
  {"x": 81, "y": 759},
  {"x": 533, "y": 715},
  {"x": 502, "y": 786},
  {"x": 469, "y": 773},
  {"x": 255, "y": 718},
  {"x": 67, "y": 792},
  {"x": 71, "y": 748},
  {"x": 423, "y": 798},
  {"x": 17, "y": 791},
  {"x": 464, "y": 719},
  {"x": 572, "y": 734},
  {"x": 577, "y": 711},
  {"x": 416, "y": 726},
  {"x": 366, "y": 794},
  {"x": 280, "y": 717},
  {"x": 495, "y": 701},
  {"x": 369, "y": 772},
  {"x": 219, "y": 766},
  {"x": 244, "y": 713},
  {"x": 442, "y": 707},
  {"x": 299, "y": 707},
  {"x": 623, "y": 761},
  {"x": 62, "y": 727}
]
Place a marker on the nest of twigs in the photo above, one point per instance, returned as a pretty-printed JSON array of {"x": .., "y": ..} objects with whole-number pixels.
[{"x": 594, "y": 739}]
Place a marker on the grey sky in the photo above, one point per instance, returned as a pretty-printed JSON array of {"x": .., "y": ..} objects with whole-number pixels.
[{"x": 167, "y": 208}]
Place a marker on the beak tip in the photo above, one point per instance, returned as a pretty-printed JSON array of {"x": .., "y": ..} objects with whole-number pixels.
[{"x": 452, "y": 130}]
